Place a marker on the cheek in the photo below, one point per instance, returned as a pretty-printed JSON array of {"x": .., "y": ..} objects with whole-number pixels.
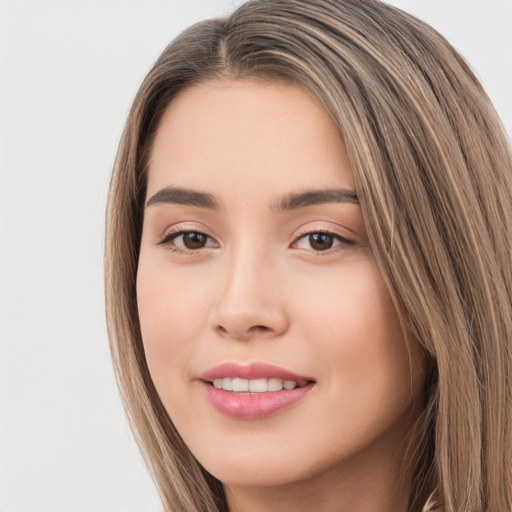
[
  {"x": 172, "y": 315},
  {"x": 352, "y": 322}
]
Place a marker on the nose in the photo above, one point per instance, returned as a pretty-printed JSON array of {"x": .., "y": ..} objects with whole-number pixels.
[{"x": 252, "y": 299}]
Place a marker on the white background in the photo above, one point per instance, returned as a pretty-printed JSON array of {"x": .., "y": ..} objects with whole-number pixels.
[{"x": 68, "y": 72}]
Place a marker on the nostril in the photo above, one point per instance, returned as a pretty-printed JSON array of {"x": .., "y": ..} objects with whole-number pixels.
[
  {"x": 221, "y": 330},
  {"x": 244, "y": 323},
  {"x": 239, "y": 332},
  {"x": 263, "y": 328}
]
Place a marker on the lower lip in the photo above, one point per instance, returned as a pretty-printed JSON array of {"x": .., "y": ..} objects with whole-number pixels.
[{"x": 250, "y": 406}]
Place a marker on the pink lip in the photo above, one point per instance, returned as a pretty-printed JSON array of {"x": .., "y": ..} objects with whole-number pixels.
[
  {"x": 251, "y": 371},
  {"x": 253, "y": 405}
]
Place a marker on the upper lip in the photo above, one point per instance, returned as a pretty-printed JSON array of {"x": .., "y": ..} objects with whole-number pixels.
[{"x": 251, "y": 371}]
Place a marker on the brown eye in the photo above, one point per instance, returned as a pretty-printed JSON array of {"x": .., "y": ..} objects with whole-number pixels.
[
  {"x": 321, "y": 241},
  {"x": 194, "y": 240},
  {"x": 188, "y": 241}
]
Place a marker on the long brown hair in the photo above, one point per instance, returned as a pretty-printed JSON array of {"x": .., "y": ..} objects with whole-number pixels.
[{"x": 433, "y": 171}]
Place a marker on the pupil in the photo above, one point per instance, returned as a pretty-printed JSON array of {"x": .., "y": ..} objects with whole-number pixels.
[
  {"x": 320, "y": 241},
  {"x": 194, "y": 240}
]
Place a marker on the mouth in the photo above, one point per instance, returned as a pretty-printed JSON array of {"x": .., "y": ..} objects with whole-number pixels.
[
  {"x": 254, "y": 391},
  {"x": 271, "y": 385}
]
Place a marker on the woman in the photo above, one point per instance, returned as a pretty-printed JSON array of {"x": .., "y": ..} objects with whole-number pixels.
[{"x": 308, "y": 267}]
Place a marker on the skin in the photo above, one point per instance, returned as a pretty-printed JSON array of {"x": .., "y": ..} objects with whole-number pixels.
[{"x": 259, "y": 290}]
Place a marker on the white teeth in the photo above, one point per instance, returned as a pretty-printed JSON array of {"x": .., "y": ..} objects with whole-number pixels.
[
  {"x": 240, "y": 385},
  {"x": 254, "y": 385},
  {"x": 258, "y": 386},
  {"x": 274, "y": 384}
]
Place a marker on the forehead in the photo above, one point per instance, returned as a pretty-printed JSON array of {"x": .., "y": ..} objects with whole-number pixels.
[{"x": 261, "y": 134}]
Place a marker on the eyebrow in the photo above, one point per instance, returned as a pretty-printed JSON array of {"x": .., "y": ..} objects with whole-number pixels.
[
  {"x": 293, "y": 201},
  {"x": 175, "y": 195},
  {"x": 314, "y": 197}
]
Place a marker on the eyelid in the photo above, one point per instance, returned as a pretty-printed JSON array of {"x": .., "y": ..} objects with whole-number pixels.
[
  {"x": 309, "y": 230},
  {"x": 185, "y": 226}
]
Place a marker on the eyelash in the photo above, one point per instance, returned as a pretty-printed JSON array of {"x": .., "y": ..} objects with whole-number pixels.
[{"x": 169, "y": 238}]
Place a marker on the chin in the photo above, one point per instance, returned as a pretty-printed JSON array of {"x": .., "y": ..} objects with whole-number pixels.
[
  {"x": 272, "y": 464},
  {"x": 267, "y": 475}
]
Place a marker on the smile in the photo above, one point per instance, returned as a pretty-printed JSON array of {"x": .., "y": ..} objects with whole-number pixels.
[
  {"x": 271, "y": 385},
  {"x": 253, "y": 391}
]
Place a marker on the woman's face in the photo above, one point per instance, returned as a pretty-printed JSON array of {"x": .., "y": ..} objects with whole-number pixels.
[{"x": 256, "y": 274}]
